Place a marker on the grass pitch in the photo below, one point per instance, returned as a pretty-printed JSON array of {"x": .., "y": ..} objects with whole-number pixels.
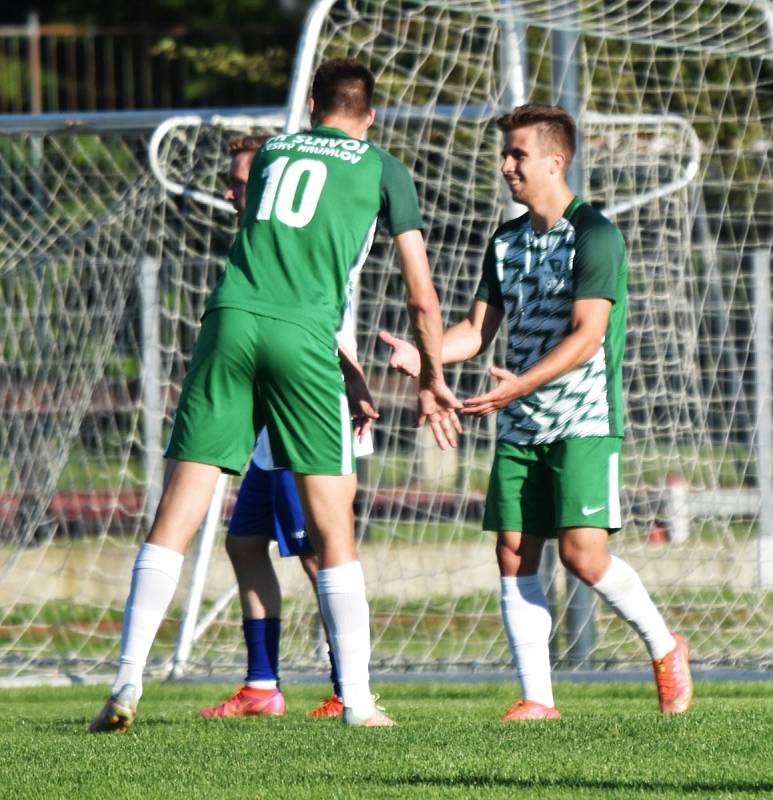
[{"x": 611, "y": 743}]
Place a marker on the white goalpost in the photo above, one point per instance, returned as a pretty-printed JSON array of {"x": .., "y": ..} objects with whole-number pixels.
[{"x": 108, "y": 255}]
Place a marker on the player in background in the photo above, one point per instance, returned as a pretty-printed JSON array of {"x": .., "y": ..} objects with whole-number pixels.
[
  {"x": 268, "y": 508},
  {"x": 266, "y": 355},
  {"x": 558, "y": 275}
]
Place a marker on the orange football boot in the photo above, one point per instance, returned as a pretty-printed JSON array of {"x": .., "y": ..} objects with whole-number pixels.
[
  {"x": 673, "y": 679},
  {"x": 330, "y": 707},
  {"x": 529, "y": 709},
  {"x": 247, "y": 701}
]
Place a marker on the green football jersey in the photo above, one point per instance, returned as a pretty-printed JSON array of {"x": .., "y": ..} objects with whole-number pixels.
[
  {"x": 313, "y": 201},
  {"x": 535, "y": 279}
]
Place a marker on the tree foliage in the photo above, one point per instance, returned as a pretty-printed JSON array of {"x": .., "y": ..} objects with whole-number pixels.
[
  {"x": 194, "y": 13},
  {"x": 269, "y": 67}
]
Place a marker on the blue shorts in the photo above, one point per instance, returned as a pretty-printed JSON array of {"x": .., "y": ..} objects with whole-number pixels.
[{"x": 268, "y": 505}]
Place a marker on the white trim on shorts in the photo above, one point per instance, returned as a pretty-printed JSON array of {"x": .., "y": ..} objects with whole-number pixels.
[
  {"x": 615, "y": 516},
  {"x": 346, "y": 437}
]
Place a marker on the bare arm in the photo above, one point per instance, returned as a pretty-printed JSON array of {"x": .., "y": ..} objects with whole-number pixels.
[
  {"x": 423, "y": 305},
  {"x": 588, "y": 327},
  {"x": 463, "y": 341},
  {"x": 357, "y": 391},
  {"x": 350, "y": 367},
  {"x": 473, "y": 334},
  {"x": 436, "y": 401}
]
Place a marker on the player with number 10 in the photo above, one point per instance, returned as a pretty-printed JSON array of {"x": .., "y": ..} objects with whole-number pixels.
[{"x": 266, "y": 354}]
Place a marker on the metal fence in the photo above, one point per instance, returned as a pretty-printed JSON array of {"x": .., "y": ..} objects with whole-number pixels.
[{"x": 64, "y": 67}]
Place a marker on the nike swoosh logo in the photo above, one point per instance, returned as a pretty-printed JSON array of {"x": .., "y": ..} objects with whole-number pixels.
[{"x": 586, "y": 512}]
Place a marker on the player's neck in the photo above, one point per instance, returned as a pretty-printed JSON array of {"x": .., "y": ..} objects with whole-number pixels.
[
  {"x": 352, "y": 127},
  {"x": 546, "y": 210}
]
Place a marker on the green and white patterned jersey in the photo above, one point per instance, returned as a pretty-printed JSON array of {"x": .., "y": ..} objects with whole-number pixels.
[
  {"x": 535, "y": 279},
  {"x": 313, "y": 201}
]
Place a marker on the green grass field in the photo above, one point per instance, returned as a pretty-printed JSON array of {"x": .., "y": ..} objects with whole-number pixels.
[{"x": 611, "y": 743}]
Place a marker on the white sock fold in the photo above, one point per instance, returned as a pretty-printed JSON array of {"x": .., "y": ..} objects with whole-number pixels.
[
  {"x": 622, "y": 589},
  {"x": 344, "y": 608},
  {"x": 154, "y": 580},
  {"x": 527, "y": 622}
]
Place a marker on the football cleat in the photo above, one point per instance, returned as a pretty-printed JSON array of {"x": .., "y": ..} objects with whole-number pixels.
[
  {"x": 249, "y": 702},
  {"x": 673, "y": 679},
  {"x": 529, "y": 709},
  {"x": 329, "y": 707},
  {"x": 378, "y": 719},
  {"x": 118, "y": 713}
]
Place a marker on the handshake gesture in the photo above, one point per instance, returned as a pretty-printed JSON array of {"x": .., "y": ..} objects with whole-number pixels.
[
  {"x": 405, "y": 358},
  {"x": 437, "y": 404}
]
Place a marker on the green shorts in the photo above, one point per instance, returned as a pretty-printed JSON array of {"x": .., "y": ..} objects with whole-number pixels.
[
  {"x": 248, "y": 371},
  {"x": 572, "y": 483}
]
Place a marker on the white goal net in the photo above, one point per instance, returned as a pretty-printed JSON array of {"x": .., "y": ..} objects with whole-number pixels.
[{"x": 104, "y": 269}]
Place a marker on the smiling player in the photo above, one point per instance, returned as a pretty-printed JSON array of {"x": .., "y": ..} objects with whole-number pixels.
[{"x": 558, "y": 275}]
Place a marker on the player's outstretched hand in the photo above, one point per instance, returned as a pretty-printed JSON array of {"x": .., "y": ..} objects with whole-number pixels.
[
  {"x": 360, "y": 404},
  {"x": 437, "y": 405},
  {"x": 404, "y": 356},
  {"x": 507, "y": 389}
]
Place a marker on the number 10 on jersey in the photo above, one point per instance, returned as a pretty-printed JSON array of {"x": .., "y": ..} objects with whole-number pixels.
[{"x": 280, "y": 191}]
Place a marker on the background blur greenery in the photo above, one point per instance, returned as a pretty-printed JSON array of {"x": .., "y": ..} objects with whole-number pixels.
[
  {"x": 204, "y": 13},
  {"x": 170, "y": 53}
]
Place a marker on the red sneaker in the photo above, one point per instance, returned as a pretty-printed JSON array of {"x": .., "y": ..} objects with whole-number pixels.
[
  {"x": 247, "y": 701},
  {"x": 673, "y": 679},
  {"x": 527, "y": 709},
  {"x": 329, "y": 707}
]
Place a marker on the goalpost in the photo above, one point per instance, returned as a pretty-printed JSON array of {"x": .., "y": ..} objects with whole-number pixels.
[{"x": 675, "y": 146}]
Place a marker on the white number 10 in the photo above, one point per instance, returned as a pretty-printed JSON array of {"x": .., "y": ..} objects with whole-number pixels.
[{"x": 281, "y": 188}]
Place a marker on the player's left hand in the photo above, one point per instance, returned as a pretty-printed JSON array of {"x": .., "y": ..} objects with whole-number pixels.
[
  {"x": 360, "y": 404},
  {"x": 507, "y": 389}
]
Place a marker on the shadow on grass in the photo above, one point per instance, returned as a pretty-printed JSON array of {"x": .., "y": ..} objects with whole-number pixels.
[
  {"x": 658, "y": 787},
  {"x": 82, "y": 723}
]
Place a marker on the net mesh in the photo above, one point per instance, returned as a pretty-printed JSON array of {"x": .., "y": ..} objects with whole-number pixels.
[{"x": 104, "y": 276}]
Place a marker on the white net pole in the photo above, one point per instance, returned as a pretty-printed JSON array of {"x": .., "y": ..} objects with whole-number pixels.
[
  {"x": 763, "y": 358},
  {"x": 205, "y": 542}
]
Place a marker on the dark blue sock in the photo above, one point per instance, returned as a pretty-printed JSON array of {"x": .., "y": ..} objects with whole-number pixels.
[
  {"x": 262, "y": 638},
  {"x": 334, "y": 673}
]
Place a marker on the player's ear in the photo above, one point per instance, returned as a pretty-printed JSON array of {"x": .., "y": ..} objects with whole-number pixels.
[
  {"x": 310, "y": 105},
  {"x": 371, "y": 117},
  {"x": 559, "y": 164}
]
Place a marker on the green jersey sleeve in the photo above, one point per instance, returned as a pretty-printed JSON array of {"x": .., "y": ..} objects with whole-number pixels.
[
  {"x": 399, "y": 203},
  {"x": 490, "y": 287},
  {"x": 598, "y": 258}
]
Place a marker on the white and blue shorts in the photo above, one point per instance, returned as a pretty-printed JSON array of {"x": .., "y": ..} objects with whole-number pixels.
[{"x": 268, "y": 505}]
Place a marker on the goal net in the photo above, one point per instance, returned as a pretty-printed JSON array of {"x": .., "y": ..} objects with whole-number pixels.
[{"x": 675, "y": 118}]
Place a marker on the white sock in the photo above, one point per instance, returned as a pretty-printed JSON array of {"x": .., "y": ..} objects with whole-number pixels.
[
  {"x": 623, "y": 590},
  {"x": 526, "y": 618},
  {"x": 344, "y": 608},
  {"x": 154, "y": 580}
]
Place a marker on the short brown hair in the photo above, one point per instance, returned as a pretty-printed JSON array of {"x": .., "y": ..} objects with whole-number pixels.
[
  {"x": 343, "y": 85},
  {"x": 555, "y": 124},
  {"x": 248, "y": 144}
]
